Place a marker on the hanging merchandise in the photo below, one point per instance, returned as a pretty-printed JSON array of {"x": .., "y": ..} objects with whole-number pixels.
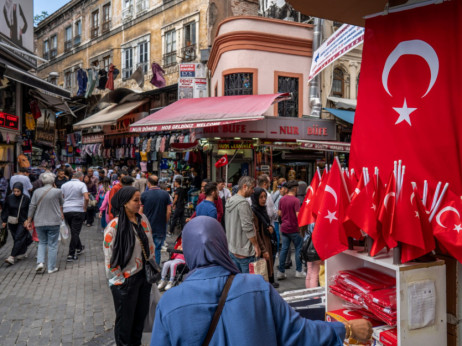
[
  {"x": 111, "y": 77},
  {"x": 157, "y": 79},
  {"x": 35, "y": 109},
  {"x": 101, "y": 85},
  {"x": 30, "y": 122},
  {"x": 82, "y": 81},
  {"x": 93, "y": 77},
  {"x": 138, "y": 76}
]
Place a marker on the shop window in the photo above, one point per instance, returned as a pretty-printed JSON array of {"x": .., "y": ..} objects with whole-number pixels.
[
  {"x": 68, "y": 80},
  {"x": 54, "y": 47},
  {"x": 238, "y": 84},
  {"x": 8, "y": 97},
  {"x": 106, "y": 62},
  {"x": 288, "y": 108},
  {"x": 94, "y": 24},
  {"x": 78, "y": 32},
  {"x": 170, "y": 48},
  {"x": 188, "y": 52},
  {"x": 106, "y": 18},
  {"x": 46, "y": 49},
  {"x": 337, "y": 84},
  {"x": 68, "y": 40},
  {"x": 127, "y": 68},
  {"x": 143, "y": 56}
]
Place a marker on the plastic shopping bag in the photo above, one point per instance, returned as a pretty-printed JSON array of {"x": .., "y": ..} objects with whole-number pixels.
[
  {"x": 64, "y": 230},
  {"x": 259, "y": 267}
]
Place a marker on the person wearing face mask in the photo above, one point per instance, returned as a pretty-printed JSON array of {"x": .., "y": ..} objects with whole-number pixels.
[{"x": 14, "y": 214}]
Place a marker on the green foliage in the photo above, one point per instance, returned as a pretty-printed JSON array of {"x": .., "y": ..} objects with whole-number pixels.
[{"x": 39, "y": 17}]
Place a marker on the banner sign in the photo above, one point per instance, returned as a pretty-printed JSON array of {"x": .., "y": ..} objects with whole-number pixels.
[
  {"x": 90, "y": 139},
  {"x": 9, "y": 121},
  {"x": 17, "y": 22},
  {"x": 235, "y": 145},
  {"x": 123, "y": 124},
  {"x": 326, "y": 146},
  {"x": 194, "y": 70},
  {"x": 341, "y": 42},
  {"x": 193, "y": 81}
]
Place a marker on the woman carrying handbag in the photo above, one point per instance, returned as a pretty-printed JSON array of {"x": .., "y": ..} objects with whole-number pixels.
[
  {"x": 14, "y": 214},
  {"x": 128, "y": 249}
]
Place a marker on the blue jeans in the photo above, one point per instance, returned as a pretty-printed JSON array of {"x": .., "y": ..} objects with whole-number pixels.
[
  {"x": 242, "y": 263},
  {"x": 158, "y": 242},
  {"x": 278, "y": 236},
  {"x": 48, "y": 237},
  {"x": 286, "y": 239}
]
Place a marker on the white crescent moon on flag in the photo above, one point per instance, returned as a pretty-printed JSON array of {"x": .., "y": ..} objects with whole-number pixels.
[
  {"x": 347, "y": 312},
  {"x": 438, "y": 216},
  {"x": 311, "y": 188},
  {"x": 412, "y": 47},
  {"x": 385, "y": 200},
  {"x": 332, "y": 192},
  {"x": 412, "y": 196}
]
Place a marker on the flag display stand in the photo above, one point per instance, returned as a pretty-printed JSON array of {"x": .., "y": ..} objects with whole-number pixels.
[{"x": 410, "y": 304}]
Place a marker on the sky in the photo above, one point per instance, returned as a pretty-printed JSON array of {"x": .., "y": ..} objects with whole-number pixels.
[{"x": 49, "y": 6}]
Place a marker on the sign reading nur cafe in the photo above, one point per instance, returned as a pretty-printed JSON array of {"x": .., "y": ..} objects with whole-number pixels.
[{"x": 276, "y": 128}]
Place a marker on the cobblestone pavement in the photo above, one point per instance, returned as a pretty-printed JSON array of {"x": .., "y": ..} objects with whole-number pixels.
[{"x": 70, "y": 307}]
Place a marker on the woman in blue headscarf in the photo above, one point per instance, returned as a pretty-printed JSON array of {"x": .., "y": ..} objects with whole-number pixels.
[{"x": 253, "y": 313}]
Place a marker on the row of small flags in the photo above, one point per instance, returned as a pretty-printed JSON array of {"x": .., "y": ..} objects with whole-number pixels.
[{"x": 399, "y": 211}]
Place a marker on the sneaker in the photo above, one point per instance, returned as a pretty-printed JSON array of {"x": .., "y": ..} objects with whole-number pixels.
[
  {"x": 40, "y": 268},
  {"x": 162, "y": 284},
  {"x": 281, "y": 275},
  {"x": 10, "y": 260},
  {"x": 81, "y": 251},
  {"x": 20, "y": 257},
  {"x": 71, "y": 258},
  {"x": 53, "y": 271},
  {"x": 300, "y": 274},
  {"x": 169, "y": 285},
  {"x": 275, "y": 284}
]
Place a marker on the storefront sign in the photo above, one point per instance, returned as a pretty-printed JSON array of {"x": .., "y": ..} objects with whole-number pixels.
[
  {"x": 326, "y": 146},
  {"x": 9, "y": 121},
  {"x": 123, "y": 124},
  {"x": 234, "y": 145},
  {"x": 194, "y": 70},
  {"x": 89, "y": 139},
  {"x": 192, "y": 82},
  {"x": 45, "y": 137},
  {"x": 275, "y": 128},
  {"x": 17, "y": 22}
]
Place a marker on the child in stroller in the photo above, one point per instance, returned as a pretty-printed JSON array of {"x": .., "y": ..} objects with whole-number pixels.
[{"x": 176, "y": 260}]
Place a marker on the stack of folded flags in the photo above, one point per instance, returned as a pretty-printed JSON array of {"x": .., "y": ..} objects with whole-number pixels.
[{"x": 369, "y": 290}]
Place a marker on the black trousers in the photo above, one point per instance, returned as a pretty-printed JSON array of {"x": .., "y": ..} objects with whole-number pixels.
[
  {"x": 131, "y": 303},
  {"x": 22, "y": 239},
  {"x": 178, "y": 216},
  {"x": 90, "y": 215},
  {"x": 75, "y": 222}
]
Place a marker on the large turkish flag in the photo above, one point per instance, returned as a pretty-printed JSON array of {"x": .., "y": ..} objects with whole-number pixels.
[{"x": 409, "y": 95}]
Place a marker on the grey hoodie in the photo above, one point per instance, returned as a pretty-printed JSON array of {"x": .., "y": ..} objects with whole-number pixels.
[{"x": 239, "y": 226}]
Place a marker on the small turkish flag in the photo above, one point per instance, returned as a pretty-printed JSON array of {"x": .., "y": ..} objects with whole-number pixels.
[
  {"x": 317, "y": 198},
  {"x": 329, "y": 236},
  {"x": 305, "y": 215},
  {"x": 223, "y": 161},
  {"x": 387, "y": 212}
]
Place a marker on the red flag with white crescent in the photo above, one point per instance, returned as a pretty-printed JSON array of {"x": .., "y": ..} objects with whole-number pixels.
[
  {"x": 305, "y": 215},
  {"x": 407, "y": 79},
  {"x": 223, "y": 161}
]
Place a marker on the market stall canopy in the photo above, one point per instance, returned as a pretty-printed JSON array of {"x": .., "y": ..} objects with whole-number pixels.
[
  {"x": 208, "y": 111},
  {"x": 24, "y": 77},
  {"x": 325, "y": 146},
  {"x": 109, "y": 115},
  {"x": 341, "y": 102},
  {"x": 348, "y": 116},
  {"x": 344, "y": 11},
  {"x": 55, "y": 103}
]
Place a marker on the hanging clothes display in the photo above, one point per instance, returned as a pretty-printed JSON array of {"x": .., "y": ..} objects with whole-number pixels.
[
  {"x": 35, "y": 109},
  {"x": 30, "y": 122},
  {"x": 102, "y": 74},
  {"x": 110, "y": 78},
  {"x": 93, "y": 77},
  {"x": 82, "y": 81},
  {"x": 157, "y": 79}
]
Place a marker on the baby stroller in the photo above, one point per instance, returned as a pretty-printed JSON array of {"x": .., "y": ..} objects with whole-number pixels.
[{"x": 181, "y": 268}]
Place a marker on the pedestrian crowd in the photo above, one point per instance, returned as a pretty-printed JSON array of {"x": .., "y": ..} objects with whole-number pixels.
[{"x": 227, "y": 232}]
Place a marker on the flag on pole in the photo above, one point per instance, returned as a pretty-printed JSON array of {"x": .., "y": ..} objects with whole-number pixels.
[
  {"x": 387, "y": 212},
  {"x": 352, "y": 228},
  {"x": 305, "y": 215},
  {"x": 319, "y": 193},
  {"x": 329, "y": 237},
  {"x": 223, "y": 161}
]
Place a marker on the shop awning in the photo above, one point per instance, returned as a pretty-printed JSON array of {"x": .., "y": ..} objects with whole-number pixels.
[
  {"x": 348, "y": 116},
  {"x": 207, "y": 112},
  {"x": 109, "y": 115},
  {"x": 29, "y": 79},
  {"x": 341, "y": 102},
  {"x": 325, "y": 146}
]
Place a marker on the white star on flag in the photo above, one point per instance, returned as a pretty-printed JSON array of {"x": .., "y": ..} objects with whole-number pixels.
[
  {"x": 457, "y": 228},
  {"x": 417, "y": 214},
  {"x": 307, "y": 201},
  {"x": 374, "y": 207},
  {"x": 404, "y": 113},
  {"x": 331, "y": 216}
]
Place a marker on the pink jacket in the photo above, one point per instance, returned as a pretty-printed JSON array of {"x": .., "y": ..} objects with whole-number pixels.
[{"x": 105, "y": 205}]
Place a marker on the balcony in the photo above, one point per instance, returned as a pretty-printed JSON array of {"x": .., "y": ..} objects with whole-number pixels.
[
  {"x": 170, "y": 59},
  {"x": 67, "y": 45},
  {"x": 46, "y": 55},
  {"x": 141, "y": 6},
  {"x": 94, "y": 32},
  {"x": 127, "y": 13},
  {"x": 188, "y": 53},
  {"x": 106, "y": 26},
  {"x": 53, "y": 53},
  {"x": 77, "y": 40}
]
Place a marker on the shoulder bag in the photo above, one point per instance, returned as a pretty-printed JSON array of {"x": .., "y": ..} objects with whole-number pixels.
[
  {"x": 217, "y": 314},
  {"x": 13, "y": 220},
  {"x": 151, "y": 267}
]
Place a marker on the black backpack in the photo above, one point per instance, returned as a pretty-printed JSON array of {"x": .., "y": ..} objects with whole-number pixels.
[{"x": 308, "y": 252}]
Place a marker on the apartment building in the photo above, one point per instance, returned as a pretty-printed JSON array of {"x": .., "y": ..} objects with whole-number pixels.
[{"x": 129, "y": 34}]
